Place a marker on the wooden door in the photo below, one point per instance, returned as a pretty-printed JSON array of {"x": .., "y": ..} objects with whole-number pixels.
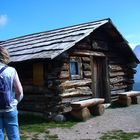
[{"x": 100, "y": 78}]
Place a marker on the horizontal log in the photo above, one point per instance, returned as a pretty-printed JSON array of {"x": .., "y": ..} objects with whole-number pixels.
[
  {"x": 65, "y": 67},
  {"x": 66, "y": 108},
  {"x": 114, "y": 98},
  {"x": 64, "y": 74},
  {"x": 87, "y": 73},
  {"x": 115, "y": 92},
  {"x": 35, "y": 89},
  {"x": 83, "y": 45},
  {"x": 77, "y": 92},
  {"x": 117, "y": 61},
  {"x": 34, "y": 98},
  {"x": 114, "y": 74},
  {"x": 87, "y": 53},
  {"x": 85, "y": 59},
  {"x": 119, "y": 87},
  {"x": 87, "y": 103},
  {"x": 117, "y": 79},
  {"x": 75, "y": 98},
  {"x": 99, "y": 45},
  {"x": 75, "y": 83},
  {"x": 115, "y": 68},
  {"x": 32, "y": 107},
  {"x": 86, "y": 66}
]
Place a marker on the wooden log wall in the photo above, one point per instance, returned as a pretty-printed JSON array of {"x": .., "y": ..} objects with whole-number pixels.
[
  {"x": 59, "y": 90},
  {"x": 39, "y": 99},
  {"x": 121, "y": 74},
  {"x": 78, "y": 89}
]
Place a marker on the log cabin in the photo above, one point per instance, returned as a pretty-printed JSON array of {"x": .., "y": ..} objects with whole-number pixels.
[{"x": 80, "y": 62}]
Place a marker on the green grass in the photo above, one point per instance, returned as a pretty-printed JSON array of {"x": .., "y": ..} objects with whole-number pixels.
[
  {"x": 120, "y": 135},
  {"x": 32, "y": 126}
]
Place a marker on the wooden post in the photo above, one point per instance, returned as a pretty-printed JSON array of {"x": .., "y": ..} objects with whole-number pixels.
[
  {"x": 97, "y": 110},
  {"x": 107, "y": 82},
  {"x": 126, "y": 101},
  {"x": 93, "y": 77},
  {"x": 134, "y": 100},
  {"x": 82, "y": 114}
]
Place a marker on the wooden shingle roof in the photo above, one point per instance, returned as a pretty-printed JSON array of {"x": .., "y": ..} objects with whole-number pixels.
[{"x": 48, "y": 44}]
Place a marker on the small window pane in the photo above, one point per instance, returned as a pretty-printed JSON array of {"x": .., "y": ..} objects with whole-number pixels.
[{"x": 74, "y": 70}]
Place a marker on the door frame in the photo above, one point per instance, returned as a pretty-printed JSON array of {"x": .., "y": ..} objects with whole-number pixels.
[{"x": 104, "y": 92}]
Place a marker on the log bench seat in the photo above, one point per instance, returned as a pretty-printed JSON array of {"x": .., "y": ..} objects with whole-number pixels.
[
  {"x": 128, "y": 98},
  {"x": 84, "y": 109}
]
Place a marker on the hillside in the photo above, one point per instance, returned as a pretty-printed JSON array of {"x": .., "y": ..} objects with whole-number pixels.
[{"x": 137, "y": 51}]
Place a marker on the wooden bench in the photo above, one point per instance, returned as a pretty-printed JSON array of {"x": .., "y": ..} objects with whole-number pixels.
[
  {"x": 128, "y": 98},
  {"x": 84, "y": 109}
]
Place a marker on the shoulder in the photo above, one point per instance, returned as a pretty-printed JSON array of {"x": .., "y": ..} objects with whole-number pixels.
[
  {"x": 11, "y": 68},
  {"x": 9, "y": 71},
  {"x": 8, "y": 68}
]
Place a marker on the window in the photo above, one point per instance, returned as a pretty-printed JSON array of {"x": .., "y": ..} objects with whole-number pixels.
[{"x": 75, "y": 69}]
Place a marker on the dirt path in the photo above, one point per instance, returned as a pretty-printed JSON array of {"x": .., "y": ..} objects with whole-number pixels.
[{"x": 126, "y": 119}]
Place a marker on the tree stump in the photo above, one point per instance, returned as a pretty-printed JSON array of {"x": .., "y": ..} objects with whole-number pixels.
[
  {"x": 134, "y": 100},
  {"x": 97, "y": 110},
  {"x": 126, "y": 101},
  {"x": 82, "y": 114}
]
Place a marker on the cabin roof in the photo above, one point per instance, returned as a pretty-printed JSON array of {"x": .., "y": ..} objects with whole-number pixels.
[{"x": 50, "y": 44}]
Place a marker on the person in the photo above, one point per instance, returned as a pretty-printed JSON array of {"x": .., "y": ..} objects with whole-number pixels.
[{"x": 9, "y": 117}]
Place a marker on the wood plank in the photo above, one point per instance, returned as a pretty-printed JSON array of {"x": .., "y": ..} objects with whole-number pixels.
[
  {"x": 129, "y": 94},
  {"x": 87, "y": 103}
]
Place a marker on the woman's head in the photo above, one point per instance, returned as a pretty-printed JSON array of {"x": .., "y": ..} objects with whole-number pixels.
[{"x": 4, "y": 55}]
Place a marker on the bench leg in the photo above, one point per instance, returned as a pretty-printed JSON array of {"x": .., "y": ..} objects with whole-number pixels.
[
  {"x": 125, "y": 101},
  {"x": 134, "y": 100},
  {"x": 81, "y": 114},
  {"x": 97, "y": 110}
]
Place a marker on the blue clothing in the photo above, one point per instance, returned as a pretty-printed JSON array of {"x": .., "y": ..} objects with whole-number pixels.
[
  {"x": 9, "y": 73},
  {"x": 9, "y": 117},
  {"x": 9, "y": 121}
]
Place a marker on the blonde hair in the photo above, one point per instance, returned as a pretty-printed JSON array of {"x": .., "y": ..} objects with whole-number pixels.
[{"x": 4, "y": 55}]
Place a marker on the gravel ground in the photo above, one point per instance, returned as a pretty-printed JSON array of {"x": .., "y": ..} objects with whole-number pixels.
[{"x": 125, "y": 118}]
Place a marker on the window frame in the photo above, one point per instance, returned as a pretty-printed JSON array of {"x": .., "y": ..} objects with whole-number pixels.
[{"x": 78, "y": 74}]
